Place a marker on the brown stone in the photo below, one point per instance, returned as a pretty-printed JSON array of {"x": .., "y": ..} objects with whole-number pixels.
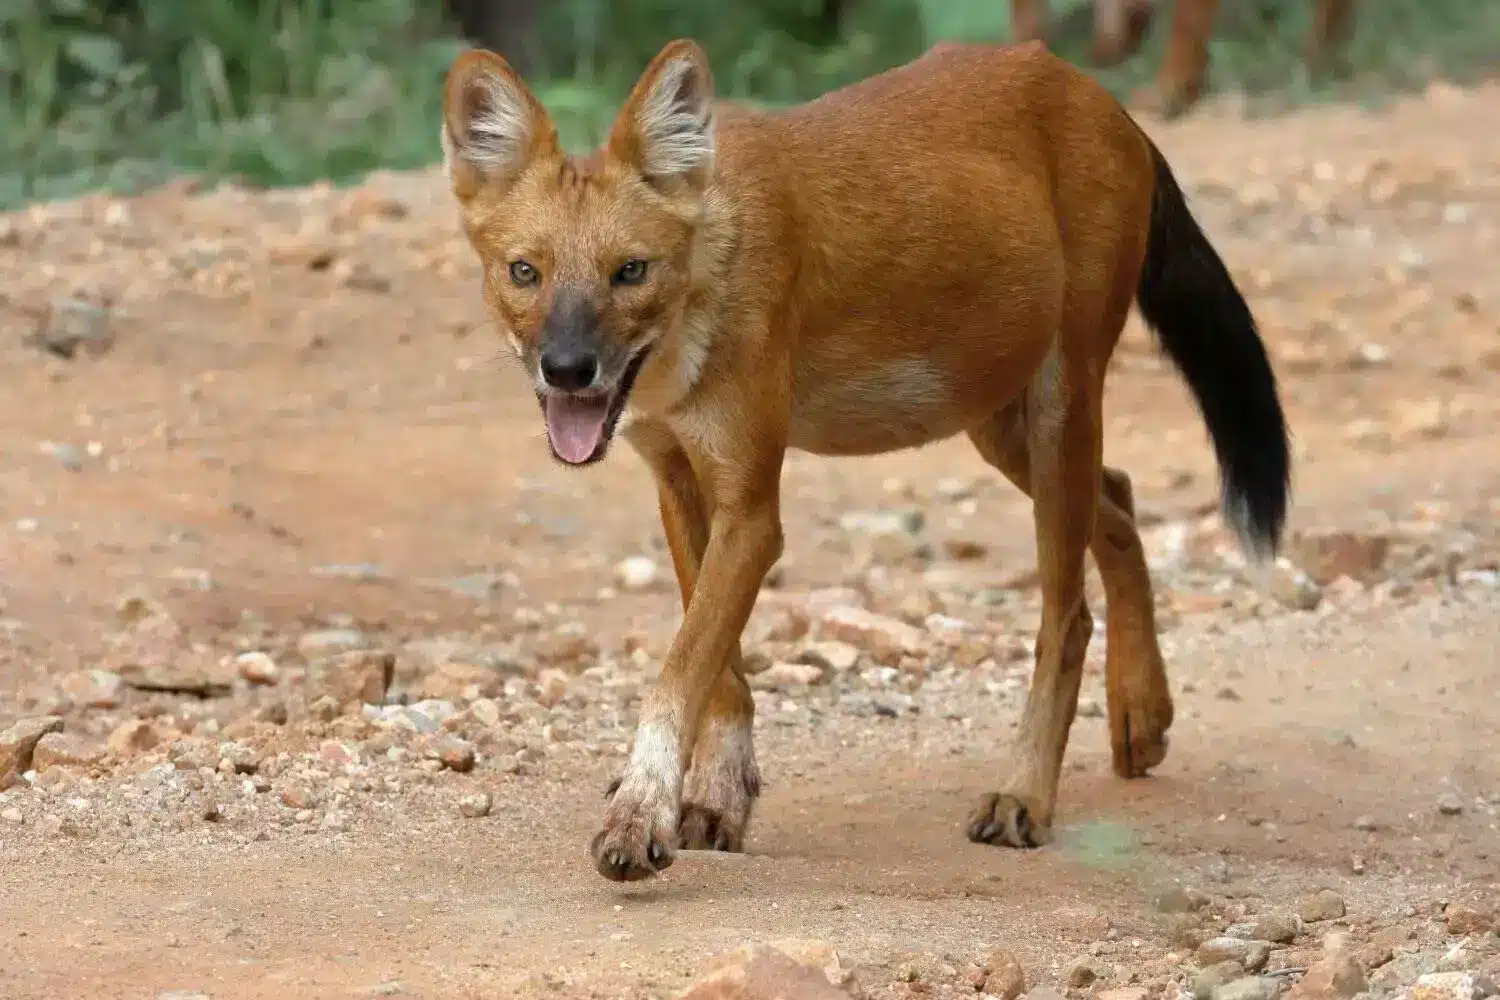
[
  {"x": 93, "y": 688},
  {"x": 885, "y": 639},
  {"x": 136, "y": 736},
  {"x": 58, "y": 749},
  {"x": 360, "y": 676},
  {"x": 1325, "y": 904},
  {"x": 761, "y": 972},
  {"x": 1337, "y": 977},
  {"x": 1463, "y": 919},
  {"x": 456, "y": 754},
  {"x": 459, "y": 681},
  {"x": 18, "y": 743},
  {"x": 1327, "y": 555},
  {"x": 1007, "y": 979}
]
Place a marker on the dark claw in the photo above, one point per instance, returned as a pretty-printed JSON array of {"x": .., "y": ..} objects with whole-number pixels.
[
  {"x": 1001, "y": 819},
  {"x": 614, "y": 786},
  {"x": 655, "y": 853},
  {"x": 1023, "y": 828}
]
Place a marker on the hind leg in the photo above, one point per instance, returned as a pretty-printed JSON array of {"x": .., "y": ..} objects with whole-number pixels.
[
  {"x": 1061, "y": 425},
  {"x": 1140, "y": 701}
]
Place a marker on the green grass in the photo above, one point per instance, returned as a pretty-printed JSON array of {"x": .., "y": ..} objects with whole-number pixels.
[{"x": 124, "y": 95}]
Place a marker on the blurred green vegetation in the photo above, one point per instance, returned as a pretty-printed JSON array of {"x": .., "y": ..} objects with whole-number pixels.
[{"x": 127, "y": 93}]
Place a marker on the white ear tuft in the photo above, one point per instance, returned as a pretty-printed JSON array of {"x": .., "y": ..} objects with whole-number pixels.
[
  {"x": 492, "y": 125},
  {"x": 496, "y": 126},
  {"x": 675, "y": 123}
]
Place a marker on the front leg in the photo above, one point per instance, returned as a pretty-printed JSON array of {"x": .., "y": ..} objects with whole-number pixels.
[
  {"x": 723, "y": 781},
  {"x": 640, "y": 831}
]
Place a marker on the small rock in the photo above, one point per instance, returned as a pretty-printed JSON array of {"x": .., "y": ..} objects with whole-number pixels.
[
  {"x": 566, "y": 648},
  {"x": 637, "y": 574},
  {"x": 459, "y": 681},
  {"x": 94, "y": 688},
  {"x": 475, "y": 806},
  {"x": 187, "y": 675},
  {"x": 883, "y": 522},
  {"x": 1452, "y": 986},
  {"x": 305, "y": 250},
  {"x": 58, "y": 749},
  {"x": 1373, "y": 954},
  {"x": 329, "y": 641},
  {"x": 1459, "y": 918},
  {"x": 134, "y": 736},
  {"x": 1449, "y": 804},
  {"x": 838, "y": 657},
  {"x": 1294, "y": 589},
  {"x": 182, "y": 995},
  {"x": 18, "y": 743},
  {"x": 12, "y": 815},
  {"x": 456, "y": 754},
  {"x": 1251, "y": 955},
  {"x": 1327, "y": 555},
  {"x": 820, "y": 955},
  {"x": 1180, "y": 900},
  {"x": 786, "y": 675},
  {"x": 1082, "y": 973},
  {"x": 1335, "y": 977},
  {"x": 298, "y": 796},
  {"x": 242, "y": 758},
  {"x": 1325, "y": 904},
  {"x": 1427, "y": 418},
  {"x": 1212, "y": 977},
  {"x": 1278, "y": 928},
  {"x": 1006, "y": 978},
  {"x": 885, "y": 639},
  {"x": 761, "y": 972},
  {"x": 1044, "y": 993},
  {"x": 257, "y": 668},
  {"x": 1456, "y": 959},
  {"x": 360, "y": 676},
  {"x": 72, "y": 323},
  {"x": 1247, "y": 988},
  {"x": 361, "y": 276}
]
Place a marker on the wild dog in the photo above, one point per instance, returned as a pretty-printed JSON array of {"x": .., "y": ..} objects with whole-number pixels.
[
  {"x": 1121, "y": 25},
  {"x": 951, "y": 247}
]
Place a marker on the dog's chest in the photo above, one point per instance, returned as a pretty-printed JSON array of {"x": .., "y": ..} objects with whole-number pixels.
[{"x": 871, "y": 408}]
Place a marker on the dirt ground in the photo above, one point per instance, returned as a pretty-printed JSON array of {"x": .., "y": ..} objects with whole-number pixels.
[{"x": 259, "y": 447}]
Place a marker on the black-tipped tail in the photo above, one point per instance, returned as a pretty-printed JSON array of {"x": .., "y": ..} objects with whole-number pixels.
[{"x": 1188, "y": 297}]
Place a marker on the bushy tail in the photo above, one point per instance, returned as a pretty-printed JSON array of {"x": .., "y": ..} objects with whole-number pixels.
[{"x": 1205, "y": 326}]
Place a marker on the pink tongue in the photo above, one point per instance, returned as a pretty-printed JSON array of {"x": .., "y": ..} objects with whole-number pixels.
[{"x": 575, "y": 426}]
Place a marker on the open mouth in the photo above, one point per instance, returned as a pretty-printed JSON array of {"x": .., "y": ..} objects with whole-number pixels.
[{"x": 580, "y": 425}]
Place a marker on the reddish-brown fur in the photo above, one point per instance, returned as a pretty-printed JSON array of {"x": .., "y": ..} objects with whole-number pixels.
[
  {"x": 950, "y": 247},
  {"x": 1120, "y": 26}
]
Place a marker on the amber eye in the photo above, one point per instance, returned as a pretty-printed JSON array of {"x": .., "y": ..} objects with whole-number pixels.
[
  {"x": 632, "y": 272},
  {"x": 522, "y": 273}
]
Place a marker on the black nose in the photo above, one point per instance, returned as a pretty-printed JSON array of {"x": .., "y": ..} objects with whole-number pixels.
[{"x": 569, "y": 370}]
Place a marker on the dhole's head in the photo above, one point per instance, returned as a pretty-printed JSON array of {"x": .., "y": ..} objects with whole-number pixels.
[{"x": 586, "y": 260}]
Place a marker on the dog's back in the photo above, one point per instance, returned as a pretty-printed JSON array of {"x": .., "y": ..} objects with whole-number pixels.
[{"x": 933, "y": 218}]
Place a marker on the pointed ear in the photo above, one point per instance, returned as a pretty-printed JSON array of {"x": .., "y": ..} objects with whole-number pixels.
[
  {"x": 493, "y": 126},
  {"x": 666, "y": 128}
]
